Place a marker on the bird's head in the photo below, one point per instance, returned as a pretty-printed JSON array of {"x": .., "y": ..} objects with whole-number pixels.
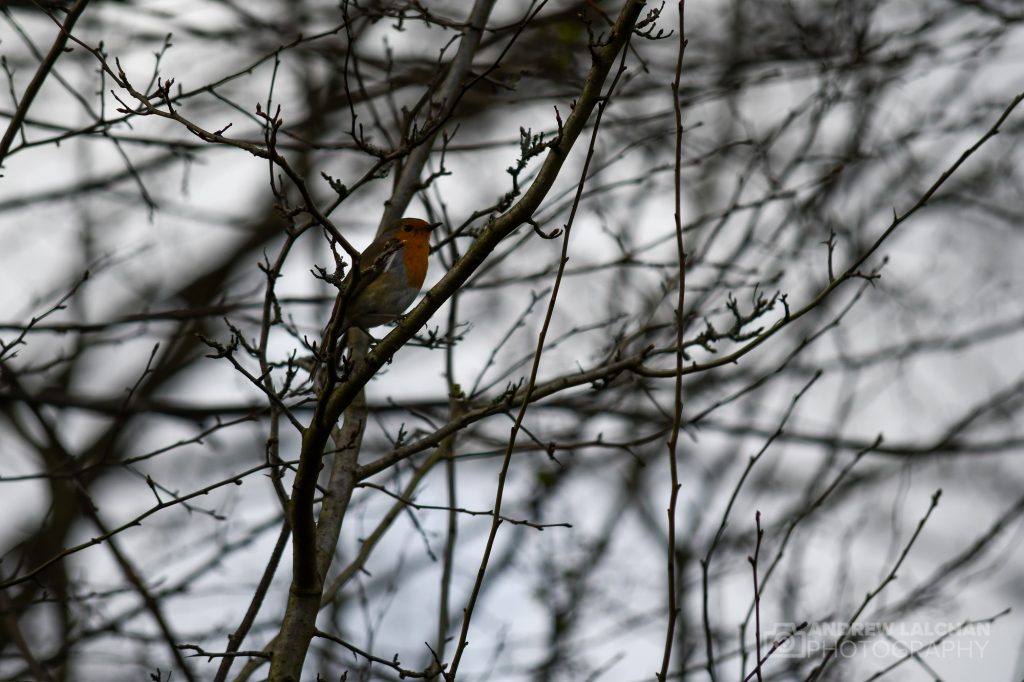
[{"x": 410, "y": 230}]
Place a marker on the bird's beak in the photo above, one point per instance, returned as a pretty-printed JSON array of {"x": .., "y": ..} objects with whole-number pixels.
[{"x": 431, "y": 226}]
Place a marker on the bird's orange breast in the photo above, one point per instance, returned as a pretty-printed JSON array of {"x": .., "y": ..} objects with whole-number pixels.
[{"x": 415, "y": 255}]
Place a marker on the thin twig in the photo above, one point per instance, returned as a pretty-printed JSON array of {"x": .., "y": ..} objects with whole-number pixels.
[
  {"x": 757, "y": 595},
  {"x": 890, "y": 577},
  {"x": 677, "y": 411},
  {"x": 532, "y": 381},
  {"x": 56, "y": 50}
]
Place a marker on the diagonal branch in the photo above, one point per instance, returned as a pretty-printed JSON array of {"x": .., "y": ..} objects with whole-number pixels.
[{"x": 41, "y": 74}]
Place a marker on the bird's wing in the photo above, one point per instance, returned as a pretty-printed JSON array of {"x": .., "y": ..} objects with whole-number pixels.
[{"x": 378, "y": 257}]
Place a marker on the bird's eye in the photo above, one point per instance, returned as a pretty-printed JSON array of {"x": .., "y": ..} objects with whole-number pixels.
[{"x": 407, "y": 229}]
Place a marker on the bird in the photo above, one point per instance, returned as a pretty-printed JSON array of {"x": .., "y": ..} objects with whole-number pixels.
[
  {"x": 390, "y": 274},
  {"x": 386, "y": 280}
]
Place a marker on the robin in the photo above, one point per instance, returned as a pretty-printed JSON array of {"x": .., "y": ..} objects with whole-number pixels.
[{"x": 390, "y": 273}]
